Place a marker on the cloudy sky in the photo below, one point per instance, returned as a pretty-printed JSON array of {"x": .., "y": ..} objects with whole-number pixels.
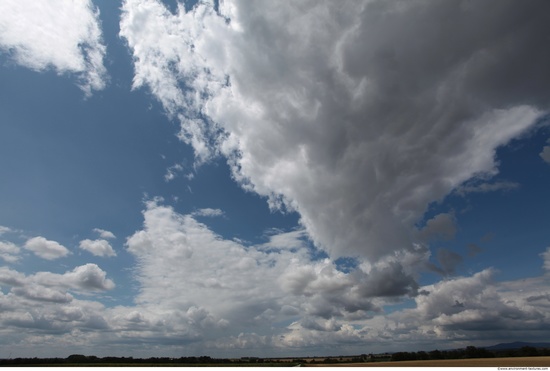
[{"x": 272, "y": 178}]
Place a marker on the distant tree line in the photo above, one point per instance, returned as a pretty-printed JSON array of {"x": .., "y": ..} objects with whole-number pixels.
[
  {"x": 82, "y": 359},
  {"x": 470, "y": 352}
]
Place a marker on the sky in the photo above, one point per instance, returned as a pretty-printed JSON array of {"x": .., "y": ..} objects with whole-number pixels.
[{"x": 293, "y": 178}]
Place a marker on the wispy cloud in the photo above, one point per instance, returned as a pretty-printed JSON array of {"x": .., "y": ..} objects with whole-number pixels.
[
  {"x": 208, "y": 212},
  {"x": 172, "y": 172},
  {"x": 484, "y": 187},
  {"x": 546, "y": 257},
  {"x": 104, "y": 233}
]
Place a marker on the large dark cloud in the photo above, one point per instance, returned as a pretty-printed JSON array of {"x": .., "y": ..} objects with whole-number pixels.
[
  {"x": 355, "y": 114},
  {"x": 390, "y": 280}
]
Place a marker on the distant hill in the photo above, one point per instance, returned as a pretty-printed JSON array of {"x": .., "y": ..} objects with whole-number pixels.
[{"x": 517, "y": 345}]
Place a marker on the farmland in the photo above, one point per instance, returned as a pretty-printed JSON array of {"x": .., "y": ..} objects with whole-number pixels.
[
  {"x": 542, "y": 362},
  {"x": 535, "y": 363}
]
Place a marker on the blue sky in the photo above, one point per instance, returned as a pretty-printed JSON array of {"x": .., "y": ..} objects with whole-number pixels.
[{"x": 272, "y": 179}]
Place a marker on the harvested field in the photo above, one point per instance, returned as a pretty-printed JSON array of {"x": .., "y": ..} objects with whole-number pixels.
[{"x": 472, "y": 362}]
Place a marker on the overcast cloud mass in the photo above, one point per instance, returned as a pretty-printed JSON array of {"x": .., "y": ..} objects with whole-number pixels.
[{"x": 377, "y": 130}]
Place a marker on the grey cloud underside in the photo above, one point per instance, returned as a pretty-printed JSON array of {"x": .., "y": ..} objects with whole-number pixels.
[
  {"x": 43, "y": 302},
  {"x": 545, "y": 154},
  {"x": 277, "y": 286},
  {"x": 448, "y": 261},
  {"x": 235, "y": 297},
  {"x": 356, "y": 115}
]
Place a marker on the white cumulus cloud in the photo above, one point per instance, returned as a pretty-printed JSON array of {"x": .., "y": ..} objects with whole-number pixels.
[
  {"x": 9, "y": 251},
  {"x": 87, "y": 277},
  {"x": 97, "y": 247},
  {"x": 232, "y": 298},
  {"x": 59, "y": 34},
  {"x": 46, "y": 249},
  {"x": 240, "y": 286}
]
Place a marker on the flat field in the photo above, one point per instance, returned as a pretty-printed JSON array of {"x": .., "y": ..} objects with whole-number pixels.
[{"x": 471, "y": 362}]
